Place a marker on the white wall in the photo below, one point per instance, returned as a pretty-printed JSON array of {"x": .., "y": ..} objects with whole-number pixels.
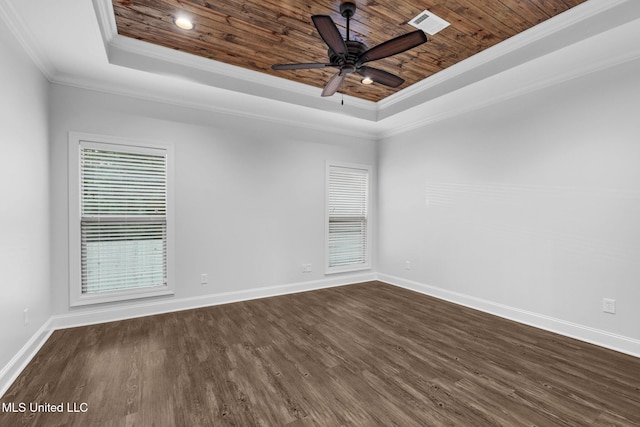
[
  {"x": 249, "y": 194},
  {"x": 24, "y": 210},
  {"x": 529, "y": 208}
]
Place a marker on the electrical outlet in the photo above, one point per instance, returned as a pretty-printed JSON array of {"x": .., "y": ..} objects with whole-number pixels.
[
  {"x": 306, "y": 268},
  {"x": 26, "y": 316},
  {"x": 204, "y": 278},
  {"x": 609, "y": 305},
  {"x": 407, "y": 265}
]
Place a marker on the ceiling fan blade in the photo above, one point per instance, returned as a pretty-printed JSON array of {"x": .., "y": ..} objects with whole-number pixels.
[
  {"x": 302, "y": 66},
  {"x": 330, "y": 34},
  {"x": 334, "y": 83},
  {"x": 380, "y": 76},
  {"x": 393, "y": 46}
]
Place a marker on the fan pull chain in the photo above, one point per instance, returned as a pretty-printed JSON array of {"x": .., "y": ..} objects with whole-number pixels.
[{"x": 342, "y": 94}]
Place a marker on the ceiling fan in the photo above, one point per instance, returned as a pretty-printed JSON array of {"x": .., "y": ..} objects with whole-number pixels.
[{"x": 349, "y": 56}]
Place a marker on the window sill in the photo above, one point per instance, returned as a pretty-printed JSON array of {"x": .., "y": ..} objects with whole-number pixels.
[
  {"x": 115, "y": 296},
  {"x": 347, "y": 269}
]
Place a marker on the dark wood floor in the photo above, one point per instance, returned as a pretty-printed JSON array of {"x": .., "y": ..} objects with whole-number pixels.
[{"x": 361, "y": 355}]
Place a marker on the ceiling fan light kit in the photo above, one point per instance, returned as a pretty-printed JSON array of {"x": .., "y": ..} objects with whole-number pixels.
[{"x": 349, "y": 56}]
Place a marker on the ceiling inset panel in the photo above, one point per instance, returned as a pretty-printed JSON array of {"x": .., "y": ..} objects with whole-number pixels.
[{"x": 254, "y": 34}]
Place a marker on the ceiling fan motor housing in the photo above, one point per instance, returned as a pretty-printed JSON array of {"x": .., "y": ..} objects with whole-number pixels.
[{"x": 355, "y": 49}]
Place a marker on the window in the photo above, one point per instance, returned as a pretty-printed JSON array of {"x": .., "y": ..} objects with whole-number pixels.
[
  {"x": 119, "y": 220},
  {"x": 347, "y": 217}
]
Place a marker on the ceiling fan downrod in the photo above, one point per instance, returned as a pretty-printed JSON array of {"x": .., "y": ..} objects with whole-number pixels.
[{"x": 347, "y": 9}]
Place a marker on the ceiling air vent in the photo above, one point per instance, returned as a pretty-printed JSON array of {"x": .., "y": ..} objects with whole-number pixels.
[{"x": 429, "y": 22}]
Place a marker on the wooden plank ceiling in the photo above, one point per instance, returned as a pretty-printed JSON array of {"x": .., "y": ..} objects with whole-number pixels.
[{"x": 255, "y": 34}]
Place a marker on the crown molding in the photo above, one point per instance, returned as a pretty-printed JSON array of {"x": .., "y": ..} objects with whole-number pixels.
[
  {"x": 521, "y": 48},
  {"x": 116, "y": 44},
  {"x": 525, "y": 47},
  {"x": 106, "y": 21},
  {"x": 202, "y": 103},
  {"x": 589, "y": 60},
  {"x": 136, "y": 54},
  {"x": 17, "y": 27},
  {"x": 274, "y": 99}
]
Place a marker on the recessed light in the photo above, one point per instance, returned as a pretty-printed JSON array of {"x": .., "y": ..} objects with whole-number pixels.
[
  {"x": 366, "y": 81},
  {"x": 184, "y": 23}
]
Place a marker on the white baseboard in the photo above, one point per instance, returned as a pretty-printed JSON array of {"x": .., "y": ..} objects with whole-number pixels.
[
  {"x": 148, "y": 308},
  {"x": 598, "y": 337},
  {"x": 16, "y": 365},
  {"x": 10, "y": 372}
]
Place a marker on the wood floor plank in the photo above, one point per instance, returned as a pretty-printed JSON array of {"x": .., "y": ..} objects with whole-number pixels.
[{"x": 360, "y": 355}]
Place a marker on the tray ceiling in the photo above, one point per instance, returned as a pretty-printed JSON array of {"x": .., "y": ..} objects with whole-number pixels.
[{"x": 256, "y": 34}]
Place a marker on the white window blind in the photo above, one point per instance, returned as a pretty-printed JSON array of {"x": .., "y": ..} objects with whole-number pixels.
[
  {"x": 123, "y": 223},
  {"x": 348, "y": 201}
]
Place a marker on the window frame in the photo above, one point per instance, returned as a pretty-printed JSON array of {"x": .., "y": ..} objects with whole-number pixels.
[
  {"x": 76, "y": 297},
  {"x": 367, "y": 256}
]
